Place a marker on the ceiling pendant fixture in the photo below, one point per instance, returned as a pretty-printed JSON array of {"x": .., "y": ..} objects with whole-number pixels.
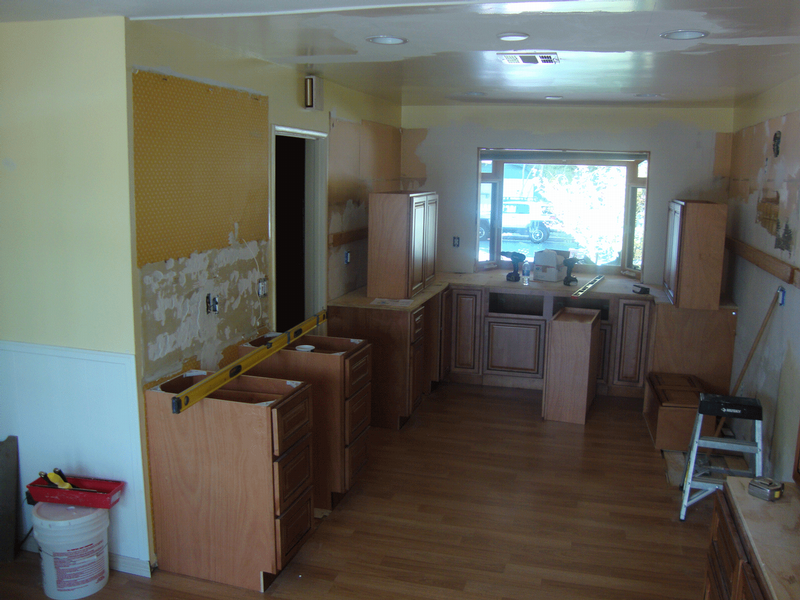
[
  {"x": 513, "y": 37},
  {"x": 387, "y": 40},
  {"x": 684, "y": 34}
]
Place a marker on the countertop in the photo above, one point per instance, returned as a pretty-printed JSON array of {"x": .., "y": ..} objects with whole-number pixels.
[{"x": 773, "y": 531}]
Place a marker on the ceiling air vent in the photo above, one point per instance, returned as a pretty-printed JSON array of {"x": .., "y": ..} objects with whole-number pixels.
[{"x": 528, "y": 58}]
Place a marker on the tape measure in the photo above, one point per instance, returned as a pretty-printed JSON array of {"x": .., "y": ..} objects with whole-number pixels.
[{"x": 765, "y": 488}]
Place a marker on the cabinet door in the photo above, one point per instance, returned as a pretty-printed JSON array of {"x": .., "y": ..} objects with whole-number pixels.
[
  {"x": 514, "y": 346},
  {"x": 429, "y": 263},
  {"x": 672, "y": 263},
  {"x": 466, "y": 331},
  {"x": 631, "y": 342},
  {"x": 417, "y": 246}
]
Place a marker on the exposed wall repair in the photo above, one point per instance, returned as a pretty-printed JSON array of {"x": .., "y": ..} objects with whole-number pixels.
[{"x": 178, "y": 331}]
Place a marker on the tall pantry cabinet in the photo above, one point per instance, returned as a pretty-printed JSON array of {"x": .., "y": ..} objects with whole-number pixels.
[{"x": 402, "y": 243}]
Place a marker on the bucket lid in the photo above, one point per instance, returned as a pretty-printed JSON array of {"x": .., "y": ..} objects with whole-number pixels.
[{"x": 57, "y": 516}]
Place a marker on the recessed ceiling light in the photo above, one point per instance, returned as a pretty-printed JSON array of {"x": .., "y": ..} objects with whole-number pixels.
[
  {"x": 648, "y": 95},
  {"x": 684, "y": 34},
  {"x": 513, "y": 37},
  {"x": 554, "y": 97},
  {"x": 474, "y": 94},
  {"x": 387, "y": 40}
]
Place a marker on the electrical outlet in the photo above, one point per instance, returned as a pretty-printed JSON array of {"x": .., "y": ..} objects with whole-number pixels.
[
  {"x": 456, "y": 242},
  {"x": 262, "y": 287},
  {"x": 347, "y": 257},
  {"x": 212, "y": 304}
]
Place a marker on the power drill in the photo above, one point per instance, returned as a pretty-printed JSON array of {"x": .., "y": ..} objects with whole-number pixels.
[
  {"x": 516, "y": 259},
  {"x": 569, "y": 263}
]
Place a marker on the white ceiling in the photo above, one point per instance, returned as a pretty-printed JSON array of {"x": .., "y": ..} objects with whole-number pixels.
[{"x": 610, "y": 51}]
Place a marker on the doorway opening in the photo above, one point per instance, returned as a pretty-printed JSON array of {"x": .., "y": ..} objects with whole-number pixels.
[{"x": 298, "y": 228}]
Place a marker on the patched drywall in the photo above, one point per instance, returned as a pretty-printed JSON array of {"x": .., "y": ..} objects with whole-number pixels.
[
  {"x": 765, "y": 186},
  {"x": 178, "y": 331},
  {"x": 764, "y": 213}
]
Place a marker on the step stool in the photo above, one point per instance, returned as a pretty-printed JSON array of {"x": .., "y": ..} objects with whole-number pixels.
[{"x": 694, "y": 475}]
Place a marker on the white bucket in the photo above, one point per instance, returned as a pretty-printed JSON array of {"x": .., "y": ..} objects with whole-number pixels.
[{"x": 74, "y": 544}]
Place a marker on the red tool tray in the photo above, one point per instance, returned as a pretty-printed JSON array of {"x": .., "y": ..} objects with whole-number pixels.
[{"x": 105, "y": 495}]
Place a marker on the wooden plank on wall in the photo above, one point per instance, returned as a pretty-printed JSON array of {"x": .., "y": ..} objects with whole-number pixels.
[
  {"x": 775, "y": 266},
  {"x": 347, "y": 237}
]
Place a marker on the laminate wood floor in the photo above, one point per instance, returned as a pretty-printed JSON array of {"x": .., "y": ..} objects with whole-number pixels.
[{"x": 477, "y": 498}]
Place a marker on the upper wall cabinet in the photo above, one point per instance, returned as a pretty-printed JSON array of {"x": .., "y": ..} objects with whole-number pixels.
[
  {"x": 402, "y": 243},
  {"x": 695, "y": 250}
]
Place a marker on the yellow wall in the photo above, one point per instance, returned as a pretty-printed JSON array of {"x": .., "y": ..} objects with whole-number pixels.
[
  {"x": 157, "y": 48},
  {"x": 65, "y": 230}
]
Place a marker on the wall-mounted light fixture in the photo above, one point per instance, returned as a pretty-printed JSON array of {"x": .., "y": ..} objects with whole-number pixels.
[{"x": 312, "y": 93}]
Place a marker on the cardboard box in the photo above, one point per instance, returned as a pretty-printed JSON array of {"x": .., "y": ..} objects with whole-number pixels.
[{"x": 548, "y": 265}]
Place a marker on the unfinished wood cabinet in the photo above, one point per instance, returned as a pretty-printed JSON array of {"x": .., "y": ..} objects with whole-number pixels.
[
  {"x": 693, "y": 342},
  {"x": 695, "y": 253},
  {"x": 573, "y": 345},
  {"x": 231, "y": 478},
  {"x": 397, "y": 372},
  {"x": 340, "y": 372},
  {"x": 670, "y": 409},
  {"x": 402, "y": 243}
]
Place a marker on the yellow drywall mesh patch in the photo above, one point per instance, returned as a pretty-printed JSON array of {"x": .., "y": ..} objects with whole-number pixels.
[{"x": 201, "y": 162}]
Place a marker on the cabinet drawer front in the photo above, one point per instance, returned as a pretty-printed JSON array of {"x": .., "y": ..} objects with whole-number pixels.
[
  {"x": 514, "y": 346},
  {"x": 357, "y": 413},
  {"x": 714, "y": 590},
  {"x": 357, "y": 371},
  {"x": 291, "y": 420},
  {"x": 355, "y": 456},
  {"x": 417, "y": 323},
  {"x": 292, "y": 474},
  {"x": 751, "y": 590},
  {"x": 294, "y": 527}
]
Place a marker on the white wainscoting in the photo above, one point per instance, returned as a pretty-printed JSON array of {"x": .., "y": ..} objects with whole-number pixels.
[{"x": 78, "y": 410}]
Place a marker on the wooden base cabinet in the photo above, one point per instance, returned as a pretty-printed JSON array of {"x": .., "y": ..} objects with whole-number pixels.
[
  {"x": 754, "y": 547},
  {"x": 231, "y": 478},
  {"x": 340, "y": 372},
  {"x": 573, "y": 345}
]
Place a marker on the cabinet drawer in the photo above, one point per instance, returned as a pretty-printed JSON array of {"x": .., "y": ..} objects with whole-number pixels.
[
  {"x": 291, "y": 420},
  {"x": 357, "y": 371},
  {"x": 294, "y": 527},
  {"x": 292, "y": 474},
  {"x": 357, "y": 413},
  {"x": 727, "y": 545},
  {"x": 417, "y": 323},
  {"x": 355, "y": 458}
]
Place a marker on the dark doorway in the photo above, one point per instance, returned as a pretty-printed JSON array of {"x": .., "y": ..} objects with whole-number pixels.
[{"x": 290, "y": 203}]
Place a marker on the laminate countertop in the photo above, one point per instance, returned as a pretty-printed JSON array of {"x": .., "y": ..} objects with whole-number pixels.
[{"x": 773, "y": 532}]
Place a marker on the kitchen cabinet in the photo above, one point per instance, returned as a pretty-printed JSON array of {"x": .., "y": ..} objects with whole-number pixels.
[
  {"x": 695, "y": 253},
  {"x": 231, "y": 478},
  {"x": 398, "y": 331},
  {"x": 753, "y": 550},
  {"x": 514, "y": 346},
  {"x": 632, "y": 325},
  {"x": 438, "y": 315},
  {"x": 340, "y": 372},
  {"x": 570, "y": 384},
  {"x": 693, "y": 342},
  {"x": 402, "y": 243},
  {"x": 467, "y": 320}
]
